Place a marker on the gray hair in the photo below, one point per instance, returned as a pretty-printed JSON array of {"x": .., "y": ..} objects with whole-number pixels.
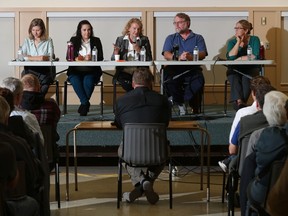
[
  {"x": 275, "y": 108},
  {"x": 13, "y": 84},
  {"x": 4, "y": 110}
]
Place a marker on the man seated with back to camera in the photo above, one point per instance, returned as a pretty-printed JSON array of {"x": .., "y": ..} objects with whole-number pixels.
[
  {"x": 142, "y": 105},
  {"x": 188, "y": 86}
]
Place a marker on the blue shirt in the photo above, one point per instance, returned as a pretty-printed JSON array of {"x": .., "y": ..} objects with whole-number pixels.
[
  {"x": 234, "y": 139},
  {"x": 185, "y": 45}
]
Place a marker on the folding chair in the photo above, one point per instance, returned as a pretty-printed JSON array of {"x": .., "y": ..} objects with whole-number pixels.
[{"x": 144, "y": 144}]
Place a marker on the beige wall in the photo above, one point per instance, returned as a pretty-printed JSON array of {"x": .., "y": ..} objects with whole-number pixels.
[
  {"x": 141, "y": 3},
  {"x": 215, "y": 24}
]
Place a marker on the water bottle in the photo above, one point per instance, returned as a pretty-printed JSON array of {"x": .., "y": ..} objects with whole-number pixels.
[
  {"x": 70, "y": 51},
  {"x": 262, "y": 52},
  {"x": 175, "y": 52},
  {"x": 20, "y": 56},
  {"x": 249, "y": 53},
  {"x": 143, "y": 54},
  {"x": 94, "y": 53},
  {"x": 195, "y": 54}
]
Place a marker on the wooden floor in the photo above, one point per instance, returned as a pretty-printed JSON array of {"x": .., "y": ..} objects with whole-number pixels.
[{"x": 97, "y": 191}]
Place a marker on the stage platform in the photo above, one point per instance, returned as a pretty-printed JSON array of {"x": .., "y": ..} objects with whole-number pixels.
[{"x": 105, "y": 143}]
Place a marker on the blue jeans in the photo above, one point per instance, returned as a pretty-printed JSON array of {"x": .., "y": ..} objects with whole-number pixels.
[{"x": 83, "y": 85}]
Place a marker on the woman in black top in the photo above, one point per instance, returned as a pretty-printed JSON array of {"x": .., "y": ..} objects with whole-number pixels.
[{"x": 84, "y": 78}]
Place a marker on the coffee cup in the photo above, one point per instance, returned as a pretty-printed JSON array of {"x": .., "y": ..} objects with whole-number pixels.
[{"x": 117, "y": 57}]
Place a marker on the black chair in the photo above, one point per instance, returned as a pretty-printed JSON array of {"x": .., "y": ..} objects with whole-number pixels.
[
  {"x": 144, "y": 144},
  {"x": 51, "y": 149},
  {"x": 235, "y": 172},
  {"x": 56, "y": 83},
  {"x": 66, "y": 83}
]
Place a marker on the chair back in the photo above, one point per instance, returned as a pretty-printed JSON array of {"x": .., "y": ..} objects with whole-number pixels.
[{"x": 145, "y": 144}]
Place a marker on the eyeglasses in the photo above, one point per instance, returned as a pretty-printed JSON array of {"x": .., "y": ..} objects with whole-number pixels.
[
  {"x": 236, "y": 28},
  {"x": 179, "y": 23}
]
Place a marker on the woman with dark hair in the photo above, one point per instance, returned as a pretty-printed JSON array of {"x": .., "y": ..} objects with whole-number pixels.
[
  {"x": 84, "y": 78},
  {"x": 39, "y": 47},
  {"x": 237, "y": 50}
]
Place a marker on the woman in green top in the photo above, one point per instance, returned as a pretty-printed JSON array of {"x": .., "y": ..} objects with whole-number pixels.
[{"x": 237, "y": 50}]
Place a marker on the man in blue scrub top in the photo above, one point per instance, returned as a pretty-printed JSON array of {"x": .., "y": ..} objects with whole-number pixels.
[{"x": 187, "y": 88}]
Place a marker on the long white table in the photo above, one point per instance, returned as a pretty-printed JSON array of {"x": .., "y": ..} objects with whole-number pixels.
[
  {"x": 80, "y": 63},
  {"x": 211, "y": 62}
]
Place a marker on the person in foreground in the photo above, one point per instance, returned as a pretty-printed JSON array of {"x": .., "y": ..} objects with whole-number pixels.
[
  {"x": 84, "y": 78},
  {"x": 142, "y": 105},
  {"x": 271, "y": 145},
  {"x": 128, "y": 46},
  {"x": 16, "y": 87},
  {"x": 188, "y": 87},
  {"x": 247, "y": 119},
  {"x": 277, "y": 198},
  {"x": 39, "y": 47},
  {"x": 45, "y": 110},
  {"x": 237, "y": 50}
]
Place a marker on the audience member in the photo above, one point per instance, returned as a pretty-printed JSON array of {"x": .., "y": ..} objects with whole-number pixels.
[
  {"x": 84, "y": 78},
  {"x": 128, "y": 46},
  {"x": 12, "y": 201},
  {"x": 277, "y": 197},
  {"x": 188, "y": 86},
  {"x": 272, "y": 145},
  {"x": 46, "y": 111},
  {"x": 16, "y": 123},
  {"x": 39, "y": 47},
  {"x": 237, "y": 50},
  {"x": 142, "y": 105},
  {"x": 8, "y": 173},
  {"x": 23, "y": 152},
  {"x": 246, "y": 120},
  {"x": 16, "y": 87}
]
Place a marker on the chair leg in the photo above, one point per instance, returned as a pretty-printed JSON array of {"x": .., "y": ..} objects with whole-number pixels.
[
  {"x": 119, "y": 194},
  {"x": 101, "y": 98},
  {"x": 57, "y": 184},
  {"x": 114, "y": 95},
  {"x": 57, "y": 91},
  {"x": 225, "y": 97},
  {"x": 170, "y": 185},
  {"x": 223, "y": 187},
  {"x": 65, "y": 98}
]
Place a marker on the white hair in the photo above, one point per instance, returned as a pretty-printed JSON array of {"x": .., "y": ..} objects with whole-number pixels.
[
  {"x": 13, "y": 84},
  {"x": 275, "y": 108}
]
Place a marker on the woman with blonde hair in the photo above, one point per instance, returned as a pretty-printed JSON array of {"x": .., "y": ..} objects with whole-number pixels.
[
  {"x": 237, "y": 48},
  {"x": 128, "y": 46},
  {"x": 39, "y": 47}
]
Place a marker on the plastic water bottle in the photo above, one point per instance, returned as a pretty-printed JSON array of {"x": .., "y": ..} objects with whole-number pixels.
[
  {"x": 20, "y": 56},
  {"x": 249, "y": 53},
  {"x": 195, "y": 54},
  {"x": 143, "y": 54},
  {"x": 70, "y": 51},
  {"x": 262, "y": 52},
  {"x": 94, "y": 53}
]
